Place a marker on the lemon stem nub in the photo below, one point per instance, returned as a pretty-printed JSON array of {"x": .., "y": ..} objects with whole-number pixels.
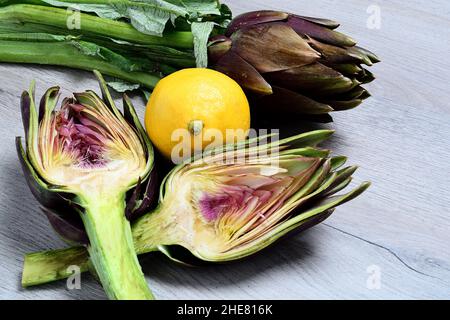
[{"x": 195, "y": 127}]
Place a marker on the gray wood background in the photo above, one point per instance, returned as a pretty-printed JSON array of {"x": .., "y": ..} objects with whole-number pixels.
[{"x": 398, "y": 232}]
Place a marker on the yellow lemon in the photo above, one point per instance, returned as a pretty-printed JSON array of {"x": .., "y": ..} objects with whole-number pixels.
[{"x": 193, "y": 109}]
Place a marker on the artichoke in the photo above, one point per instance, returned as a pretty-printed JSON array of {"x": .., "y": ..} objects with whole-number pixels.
[
  {"x": 293, "y": 64},
  {"x": 81, "y": 161},
  {"x": 231, "y": 203}
]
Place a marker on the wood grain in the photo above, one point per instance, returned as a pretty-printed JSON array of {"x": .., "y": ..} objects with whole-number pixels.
[{"x": 400, "y": 138}]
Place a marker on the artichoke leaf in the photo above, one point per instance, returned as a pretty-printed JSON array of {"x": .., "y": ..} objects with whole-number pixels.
[
  {"x": 282, "y": 47},
  {"x": 244, "y": 73}
]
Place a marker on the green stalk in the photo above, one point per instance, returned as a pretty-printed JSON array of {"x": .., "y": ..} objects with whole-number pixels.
[
  {"x": 52, "y": 265},
  {"x": 111, "y": 248},
  {"x": 149, "y": 232},
  {"x": 65, "y": 54},
  {"x": 91, "y": 25}
]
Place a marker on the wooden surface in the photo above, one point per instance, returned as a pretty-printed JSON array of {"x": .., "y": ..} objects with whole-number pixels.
[{"x": 400, "y": 139}]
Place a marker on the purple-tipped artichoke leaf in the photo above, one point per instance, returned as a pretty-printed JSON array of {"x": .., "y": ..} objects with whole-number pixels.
[
  {"x": 284, "y": 101},
  {"x": 69, "y": 226},
  {"x": 218, "y": 39},
  {"x": 356, "y": 93},
  {"x": 218, "y": 48},
  {"x": 330, "y": 24},
  {"x": 273, "y": 47},
  {"x": 30, "y": 118},
  {"x": 132, "y": 201},
  {"x": 25, "y": 106},
  {"x": 314, "y": 30},
  {"x": 341, "y": 88},
  {"x": 253, "y": 18},
  {"x": 315, "y": 77},
  {"x": 106, "y": 94},
  {"x": 372, "y": 56},
  {"x": 365, "y": 95},
  {"x": 335, "y": 55},
  {"x": 245, "y": 74},
  {"x": 143, "y": 198},
  {"x": 48, "y": 102},
  {"x": 347, "y": 69},
  {"x": 344, "y": 105},
  {"x": 367, "y": 76},
  {"x": 149, "y": 197},
  {"x": 361, "y": 55}
]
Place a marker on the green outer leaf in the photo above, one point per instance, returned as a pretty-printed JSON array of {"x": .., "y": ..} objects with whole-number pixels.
[
  {"x": 106, "y": 95},
  {"x": 307, "y": 152},
  {"x": 122, "y": 86},
  {"x": 146, "y": 94},
  {"x": 130, "y": 113},
  {"x": 201, "y": 32},
  {"x": 337, "y": 162},
  {"x": 308, "y": 139}
]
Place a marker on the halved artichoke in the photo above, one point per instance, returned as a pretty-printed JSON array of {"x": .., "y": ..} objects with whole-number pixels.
[
  {"x": 80, "y": 161},
  {"x": 222, "y": 211}
]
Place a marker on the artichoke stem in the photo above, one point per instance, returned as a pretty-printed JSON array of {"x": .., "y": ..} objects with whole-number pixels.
[
  {"x": 67, "y": 55},
  {"x": 91, "y": 25},
  {"x": 111, "y": 249},
  {"x": 52, "y": 265},
  {"x": 149, "y": 232}
]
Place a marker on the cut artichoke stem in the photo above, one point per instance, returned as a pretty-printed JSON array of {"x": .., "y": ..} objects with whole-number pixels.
[
  {"x": 48, "y": 266},
  {"x": 111, "y": 248}
]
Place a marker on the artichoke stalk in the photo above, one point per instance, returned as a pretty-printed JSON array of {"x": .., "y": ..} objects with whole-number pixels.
[
  {"x": 222, "y": 211},
  {"x": 82, "y": 160},
  {"x": 293, "y": 64}
]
